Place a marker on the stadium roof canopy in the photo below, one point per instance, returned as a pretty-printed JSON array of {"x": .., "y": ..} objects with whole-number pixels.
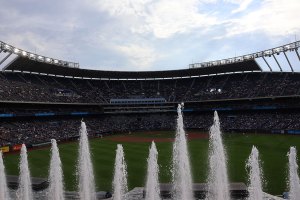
[
  {"x": 25, "y": 61},
  {"x": 23, "y": 64}
]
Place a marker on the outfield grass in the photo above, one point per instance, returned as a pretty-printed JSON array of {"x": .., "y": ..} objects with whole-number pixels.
[{"x": 273, "y": 150}]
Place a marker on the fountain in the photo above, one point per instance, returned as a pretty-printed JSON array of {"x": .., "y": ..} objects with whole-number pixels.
[
  {"x": 56, "y": 186},
  {"x": 218, "y": 186},
  {"x": 182, "y": 178},
  {"x": 86, "y": 184},
  {"x": 181, "y": 188},
  {"x": 3, "y": 185},
  {"x": 255, "y": 176},
  {"x": 294, "y": 182},
  {"x": 120, "y": 175},
  {"x": 152, "y": 184},
  {"x": 24, "y": 191}
]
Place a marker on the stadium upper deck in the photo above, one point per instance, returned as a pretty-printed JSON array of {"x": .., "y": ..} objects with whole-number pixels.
[{"x": 14, "y": 59}]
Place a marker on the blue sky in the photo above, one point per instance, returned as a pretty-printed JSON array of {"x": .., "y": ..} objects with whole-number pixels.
[{"x": 147, "y": 34}]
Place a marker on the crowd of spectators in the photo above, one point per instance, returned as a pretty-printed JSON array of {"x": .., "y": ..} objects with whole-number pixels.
[
  {"x": 39, "y": 131},
  {"x": 41, "y": 88}
]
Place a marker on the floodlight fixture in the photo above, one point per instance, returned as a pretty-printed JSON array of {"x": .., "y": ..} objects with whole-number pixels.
[
  {"x": 24, "y": 53},
  {"x": 40, "y": 58},
  {"x": 16, "y": 50},
  {"x": 7, "y": 47},
  {"x": 267, "y": 53},
  {"x": 239, "y": 59},
  {"x": 287, "y": 47},
  {"x": 32, "y": 56},
  {"x": 48, "y": 60},
  {"x": 278, "y": 50},
  {"x": 248, "y": 57}
]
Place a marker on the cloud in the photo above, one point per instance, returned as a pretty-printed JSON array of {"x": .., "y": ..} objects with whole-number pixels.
[
  {"x": 169, "y": 18},
  {"x": 122, "y": 7},
  {"x": 273, "y": 18},
  {"x": 42, "y": 29},
  {"x": 141, "y": 57},
  {"x": 243, "y": 5},
  {"x": 162, "y": 18},
  {"x": 142, "y": 34}
]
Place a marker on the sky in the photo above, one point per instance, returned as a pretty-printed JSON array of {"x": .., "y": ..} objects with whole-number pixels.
[{"x": 147, "y": 35}]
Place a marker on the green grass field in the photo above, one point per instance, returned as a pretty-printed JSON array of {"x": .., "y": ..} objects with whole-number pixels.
[{"x": 273, "y": 150}]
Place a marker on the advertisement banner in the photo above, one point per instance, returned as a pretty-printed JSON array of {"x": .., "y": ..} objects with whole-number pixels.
[
  {"x": 17, "y": 147},
  {"x": 4, "y": 149}
]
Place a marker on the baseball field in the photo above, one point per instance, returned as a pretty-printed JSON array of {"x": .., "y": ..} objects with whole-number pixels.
[{"x": 273, "y": 151}]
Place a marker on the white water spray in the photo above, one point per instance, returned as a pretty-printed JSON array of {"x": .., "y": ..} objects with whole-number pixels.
[
  {"x": 182, "y": 177},
  {"x": 294, "y": 182},
  {"x": 56, "y": 186},
  {"x": 152, "y": 184},
  {"x": 218, "y": 186},
  {"x": 120, "y": 175},
  {"x": 255, "y": 176},
  {"x": 85, "y": 168},
  {"x": 3, "y": 185},
  {"x": 24, "y": 191}
]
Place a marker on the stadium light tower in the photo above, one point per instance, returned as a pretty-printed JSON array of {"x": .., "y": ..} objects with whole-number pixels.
[
  {"x": 261, "y": 54},
  {"x": 4, "y": 47}
]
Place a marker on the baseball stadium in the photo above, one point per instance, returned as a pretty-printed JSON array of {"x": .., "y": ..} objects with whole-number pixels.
[{"x": 127, "y": 112}]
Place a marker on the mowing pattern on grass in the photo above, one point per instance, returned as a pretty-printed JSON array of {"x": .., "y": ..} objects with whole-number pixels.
[
  {"x": 273, "y": 150},
  {"x": 156, "y": 137}
]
